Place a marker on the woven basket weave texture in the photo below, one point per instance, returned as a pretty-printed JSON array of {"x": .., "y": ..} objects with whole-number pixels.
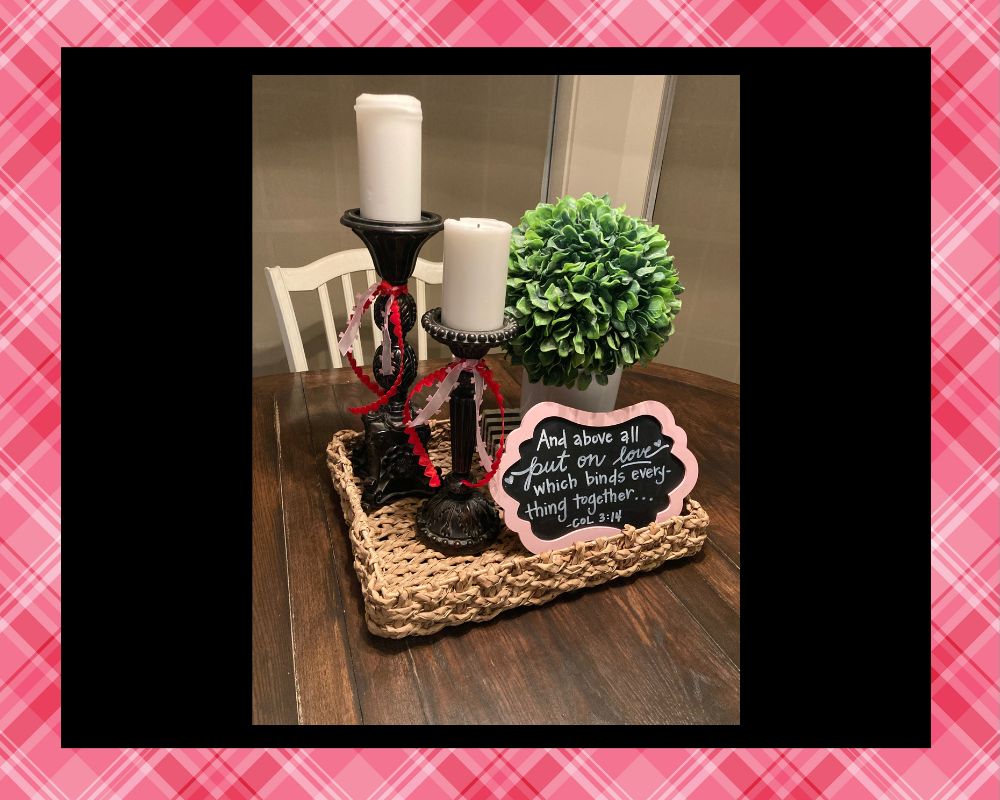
[{"x": 412, "y": 590}]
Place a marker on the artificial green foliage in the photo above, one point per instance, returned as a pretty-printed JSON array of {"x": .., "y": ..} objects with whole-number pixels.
[{"x": 592, "y": 288}]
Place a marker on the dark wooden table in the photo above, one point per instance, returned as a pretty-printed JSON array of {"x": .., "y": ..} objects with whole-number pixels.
[{"x": 659, "y": 648}]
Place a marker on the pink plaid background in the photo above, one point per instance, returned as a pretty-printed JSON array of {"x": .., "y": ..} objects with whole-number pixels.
[{"x": 965, "y": 287}]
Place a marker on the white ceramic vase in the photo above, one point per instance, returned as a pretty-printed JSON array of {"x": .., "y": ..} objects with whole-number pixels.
[{"x": 594, "y": 398}]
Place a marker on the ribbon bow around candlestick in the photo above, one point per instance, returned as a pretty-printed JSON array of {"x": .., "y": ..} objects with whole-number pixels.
[
  {"x": 346, "y": 341},
  {"x": 448, "y": 376}
]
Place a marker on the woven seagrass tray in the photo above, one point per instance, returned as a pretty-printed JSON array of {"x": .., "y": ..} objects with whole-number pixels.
[{"x": 412, "y": 590}]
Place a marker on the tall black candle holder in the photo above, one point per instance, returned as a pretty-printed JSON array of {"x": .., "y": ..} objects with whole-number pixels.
[
  {"x": 460, "y": 519},
  {"x": 385, "y": 459}
]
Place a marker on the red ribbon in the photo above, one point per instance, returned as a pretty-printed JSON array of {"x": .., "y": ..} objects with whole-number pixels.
[
  {"x": 495, "y": 388},
  {"x": 384, "y": 288},
  {"x": 418, "y": 447}
]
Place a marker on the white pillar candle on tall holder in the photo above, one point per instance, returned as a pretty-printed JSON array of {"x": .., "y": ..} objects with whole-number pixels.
[
  {"x": 474, "y": 284},
  {"x": 389, "y": 138}
]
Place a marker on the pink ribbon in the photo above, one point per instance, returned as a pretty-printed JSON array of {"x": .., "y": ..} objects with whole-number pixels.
[
  {"x": 346, "y": 341},
  {"x": 386, "y": 341},
  {"x": 451, "y": 372},
  {"x": 436, "y": 400},
  {"x": 484, "y": 456}
]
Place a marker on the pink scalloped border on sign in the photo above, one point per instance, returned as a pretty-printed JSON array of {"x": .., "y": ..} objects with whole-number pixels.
[{"x": 543, "y": 411}]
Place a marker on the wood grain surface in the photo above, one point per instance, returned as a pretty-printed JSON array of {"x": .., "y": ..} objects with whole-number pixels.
[{"x": 659, "y": 648}]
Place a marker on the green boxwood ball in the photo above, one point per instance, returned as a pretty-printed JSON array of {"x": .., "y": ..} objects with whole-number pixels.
[{"x": 592, "y": 288}]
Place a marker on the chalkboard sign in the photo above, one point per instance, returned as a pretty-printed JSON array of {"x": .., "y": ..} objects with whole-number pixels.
[{"x": 568, "y": 475}]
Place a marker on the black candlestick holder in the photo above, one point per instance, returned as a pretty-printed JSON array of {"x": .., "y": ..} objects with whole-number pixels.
[
  {"x": 385, "y": 459},
  {"x": 460, "y": 519}
]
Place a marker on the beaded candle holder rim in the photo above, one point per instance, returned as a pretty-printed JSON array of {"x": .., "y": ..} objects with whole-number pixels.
[
  {"x": 440, "y": 332},
  {"x": 467, "y": 344}
]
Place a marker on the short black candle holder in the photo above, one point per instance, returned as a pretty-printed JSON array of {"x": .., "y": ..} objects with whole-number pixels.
[
  {"x": 385, "y": 458},
  {"x": 460, "y": 519}
]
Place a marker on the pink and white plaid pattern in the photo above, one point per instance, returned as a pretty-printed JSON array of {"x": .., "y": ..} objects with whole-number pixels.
[{"x": 965, "y": 286}]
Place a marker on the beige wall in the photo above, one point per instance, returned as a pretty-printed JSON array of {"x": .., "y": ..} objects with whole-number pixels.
[
  {"x": 485, "y": 140},
  {"x": 698, "y": 209}
]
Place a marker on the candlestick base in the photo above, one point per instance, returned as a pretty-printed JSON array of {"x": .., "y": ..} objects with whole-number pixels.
[
  {"x": 458, "y": 519},
  {"x": 386, "y": 460}
]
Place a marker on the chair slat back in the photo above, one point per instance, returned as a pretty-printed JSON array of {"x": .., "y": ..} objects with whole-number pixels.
[{"x": 282, "y": 281}]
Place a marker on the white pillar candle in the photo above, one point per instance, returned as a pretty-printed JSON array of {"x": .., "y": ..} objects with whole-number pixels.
[
  {"x": 389, "y": 131},
  {"x": 475, "y": 273}
]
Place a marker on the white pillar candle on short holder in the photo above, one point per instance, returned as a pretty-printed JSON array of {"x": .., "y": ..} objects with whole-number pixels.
[
  {"x": 389, "y": 137},
  {"x": 474, "y": 284}
]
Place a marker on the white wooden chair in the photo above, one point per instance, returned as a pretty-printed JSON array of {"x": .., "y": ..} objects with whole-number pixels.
[{"x": 281, "y": 281}]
